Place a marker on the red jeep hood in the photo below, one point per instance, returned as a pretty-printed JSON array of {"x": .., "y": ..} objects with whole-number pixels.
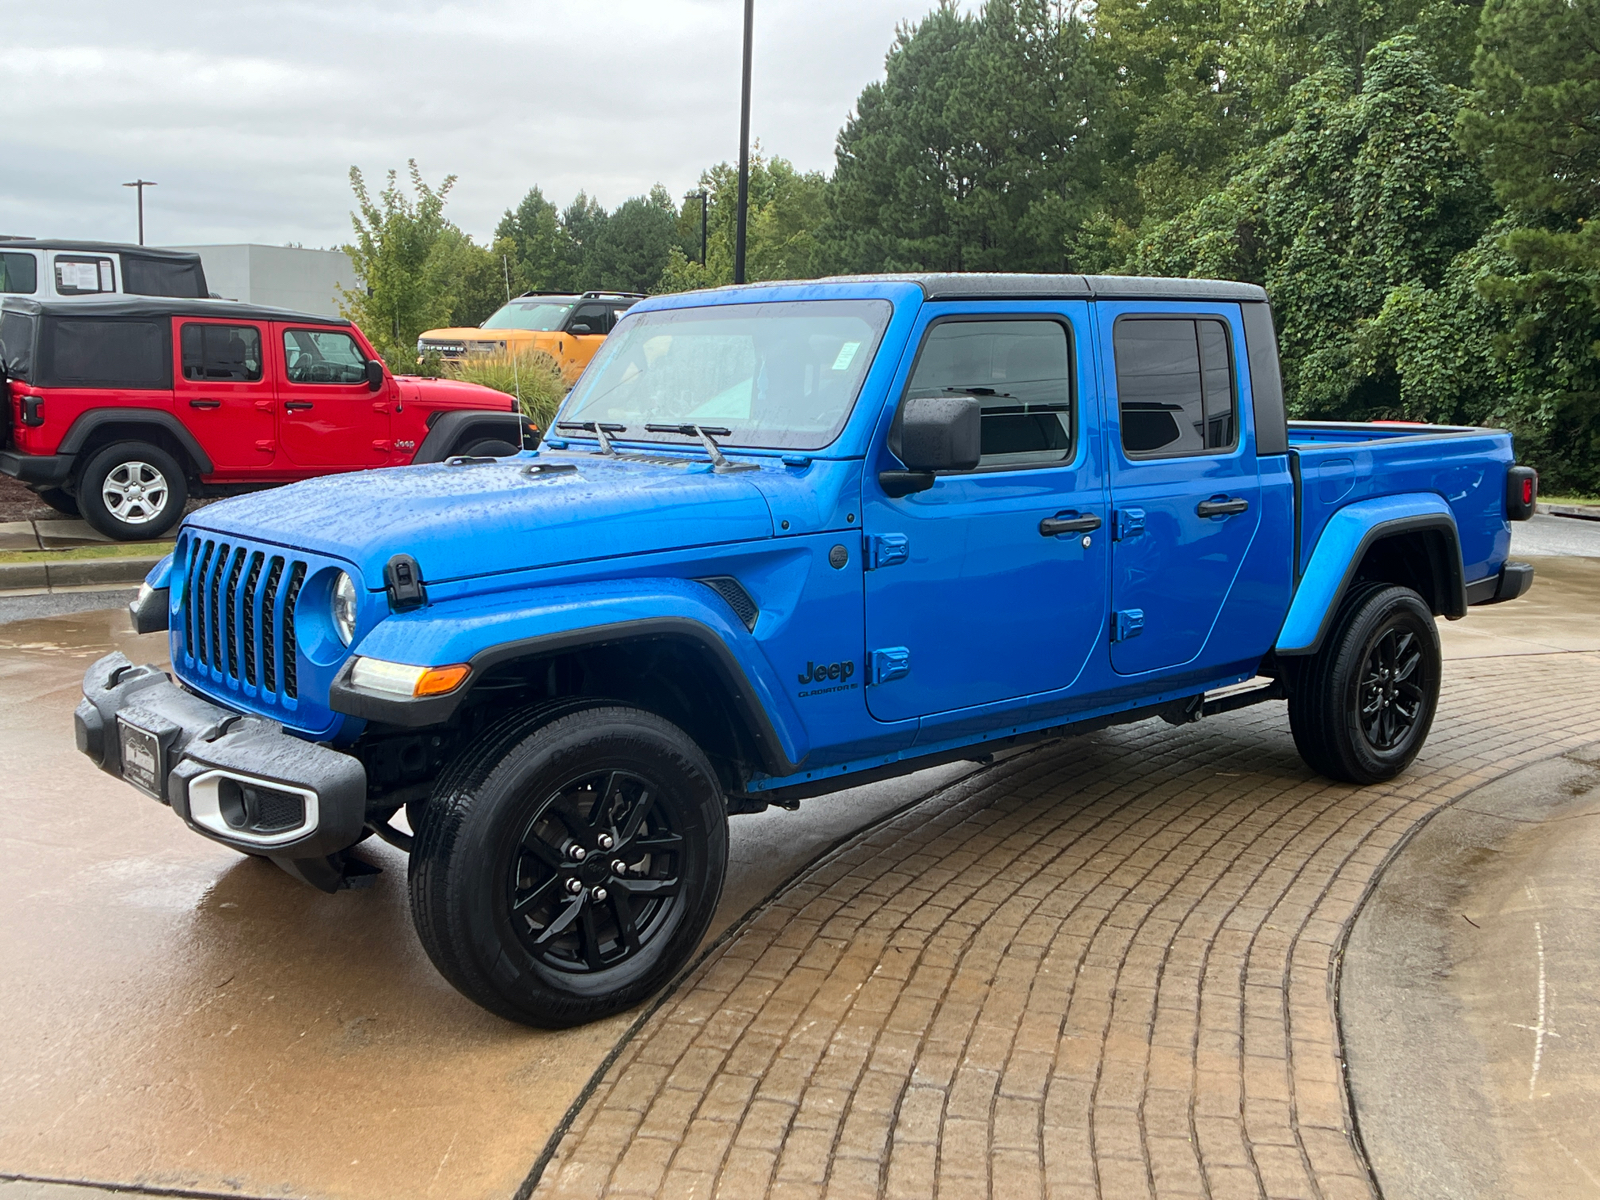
[{"x": 451, "y": 393}]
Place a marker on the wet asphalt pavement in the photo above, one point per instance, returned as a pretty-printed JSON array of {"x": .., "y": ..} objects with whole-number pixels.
[{"x": 173, "y": 1016}]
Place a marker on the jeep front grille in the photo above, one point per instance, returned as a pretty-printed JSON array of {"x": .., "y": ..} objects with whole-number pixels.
[{"x": 238, "y": 615}]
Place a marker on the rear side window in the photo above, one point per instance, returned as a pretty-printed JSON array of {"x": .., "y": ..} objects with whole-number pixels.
[
  {"x": 105, "y": 352},
  {"x": 323, "y": 356},
  {"x": 83, "y": 275},
  {"x": 16, "y": 345},
  {"x": 226, "y": 353},
  {"x": 1175, "y": 388},
  {"x": 161, "y": 277},
  {"x": 1020, "y": 370},
  {"x": 19, "y": 274}
]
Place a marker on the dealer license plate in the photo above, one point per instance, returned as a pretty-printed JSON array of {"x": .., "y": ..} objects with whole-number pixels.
[{"x": 141, "y": 759}]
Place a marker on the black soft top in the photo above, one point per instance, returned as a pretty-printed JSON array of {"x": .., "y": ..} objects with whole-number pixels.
[
  {"x": 98, "y": 248},
  {"x": 979, "y": 286},
  {"x": 161, "y": 306}
]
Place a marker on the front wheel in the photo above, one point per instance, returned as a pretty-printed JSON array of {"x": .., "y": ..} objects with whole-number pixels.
[
  {"x": 132, "y": 491},
  {"x": 1361, "y": 707},
  {"x": 566, "y": 869}
]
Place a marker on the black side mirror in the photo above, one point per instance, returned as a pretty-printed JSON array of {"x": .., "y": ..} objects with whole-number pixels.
[
  {"x": 580, "y": 328},
  {"x": 937, "y": 433},
  {"x": 374, "y": 374}
]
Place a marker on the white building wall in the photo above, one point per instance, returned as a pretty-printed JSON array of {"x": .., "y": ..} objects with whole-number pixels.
[{"x": 281, "y": 276}]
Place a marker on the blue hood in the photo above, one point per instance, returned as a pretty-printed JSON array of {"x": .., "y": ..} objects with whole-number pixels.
[{"x": 484, "y": 518}]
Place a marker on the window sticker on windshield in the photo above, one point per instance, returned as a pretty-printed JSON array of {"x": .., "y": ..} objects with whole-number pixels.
[{"x": 847, "y": 353}]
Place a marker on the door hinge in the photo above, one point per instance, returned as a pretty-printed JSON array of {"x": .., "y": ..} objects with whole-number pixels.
[
  {"x": 887, "y": 550},
  {"x": 1127, "y": 623},
  {"x": 892, "y": 662},
  {"x": 1129, "y": 523}
]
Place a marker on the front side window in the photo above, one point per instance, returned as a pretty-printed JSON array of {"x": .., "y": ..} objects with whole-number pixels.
[
  {"x": 222, "y": 353},
  {"x": 540, "y": 316},
  {"x": 779, "y": 375},
  {"x": 1174, "y": 386},
  {"x": 323, "y": 356},
  {"x": 1021, "y": 372},
  {"x": 81, "y": 275},
  {"x": 19, "y": 274},
  {"x": 596, "y": 316}
]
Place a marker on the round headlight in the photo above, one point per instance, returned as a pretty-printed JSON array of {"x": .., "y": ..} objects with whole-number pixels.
[{"x": 344, "y": 607}]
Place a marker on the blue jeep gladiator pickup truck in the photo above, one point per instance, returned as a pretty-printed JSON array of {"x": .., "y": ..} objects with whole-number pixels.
[{"x": 790, "y": 538}]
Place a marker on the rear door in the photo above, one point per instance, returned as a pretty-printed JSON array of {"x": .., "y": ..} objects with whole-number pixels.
[
  {"x": 224, "y": 394},
  {"x": 1184, "y": 485},
  {"x": 991, "y": 585},
  {"x": 328, "y": 418}
]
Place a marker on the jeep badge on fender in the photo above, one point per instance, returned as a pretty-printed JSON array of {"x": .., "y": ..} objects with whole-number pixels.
[{"x": 838, "y": 670}]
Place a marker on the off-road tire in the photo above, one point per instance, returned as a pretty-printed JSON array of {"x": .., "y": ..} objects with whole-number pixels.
[
  {"x": 483, "y": 848},
  {"x": 126, "y": 459},
  {"x": 61, "y": 500},
  {"x": 491, "y": 448},
  {"x": 1340, "y": 697}
]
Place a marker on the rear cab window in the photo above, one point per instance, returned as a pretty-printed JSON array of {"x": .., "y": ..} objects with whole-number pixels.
[
  {"x": 1021, "y": 371},
  {"x": 105, "y": 352},
  {"x": 1176, "y": 392},
  {"x": 323, "y": 356}
]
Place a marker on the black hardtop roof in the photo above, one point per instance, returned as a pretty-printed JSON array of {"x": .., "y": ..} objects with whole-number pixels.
[
  {"x": 164, "y": 306},
  {"x": 981, "y": 286},
  {"x": 97, "y": 248}
]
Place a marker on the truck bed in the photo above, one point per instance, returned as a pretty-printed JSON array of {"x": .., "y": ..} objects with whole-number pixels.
[{"x": 1338, "y": 463}]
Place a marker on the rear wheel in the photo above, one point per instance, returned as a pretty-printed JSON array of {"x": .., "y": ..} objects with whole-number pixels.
[
  {"x": 1362, "y": 706},
  {"x": 132, "y": 491},
  {"x": 568, "y": 867}
]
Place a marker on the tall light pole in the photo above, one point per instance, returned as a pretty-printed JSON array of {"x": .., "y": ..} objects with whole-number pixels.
[
  {"x": 705, "y": 203},
  {"x": 141, "y": 184},
  {"x": 744, "y": 151}
]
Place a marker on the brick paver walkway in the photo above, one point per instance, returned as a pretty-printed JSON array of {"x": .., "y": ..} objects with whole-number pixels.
[{"x": 1104, "y": 968}]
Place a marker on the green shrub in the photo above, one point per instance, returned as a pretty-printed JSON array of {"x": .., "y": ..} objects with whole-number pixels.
[{"x": 533, "y": 376}]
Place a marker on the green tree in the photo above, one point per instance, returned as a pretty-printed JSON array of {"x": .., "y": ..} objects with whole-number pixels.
[
  {"x": 541, "y": 254},
  {"x": 406, "y": 258},
  {"x": 629, "y": 250}
]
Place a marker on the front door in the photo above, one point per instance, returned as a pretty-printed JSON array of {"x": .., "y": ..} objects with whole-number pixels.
[
  {"x": 1184, "y": 487},
  {"x": 598, "y": 319},
  {"x": 224, "y": 395},
  {"x": 331, "y": 419},
  {"x": 991, "y": 585}
]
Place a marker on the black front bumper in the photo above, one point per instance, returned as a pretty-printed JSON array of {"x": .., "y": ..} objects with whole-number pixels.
[
  {"x": 43, "y": 470},
  {"x": 237, "y": 779}
]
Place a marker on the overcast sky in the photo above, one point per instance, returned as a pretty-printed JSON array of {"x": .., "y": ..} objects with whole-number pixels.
[{"x": 248, "y": 115}]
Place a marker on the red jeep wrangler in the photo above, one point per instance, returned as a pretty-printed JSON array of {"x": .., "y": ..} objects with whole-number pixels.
[{"x": 122, "y": 409}]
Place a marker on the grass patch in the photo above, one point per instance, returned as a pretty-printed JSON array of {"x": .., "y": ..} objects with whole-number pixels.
[
  {"x": 533, "y": 374},
  {"x": 114, "y": 550},
  {"x": 1588, "y": 501}
]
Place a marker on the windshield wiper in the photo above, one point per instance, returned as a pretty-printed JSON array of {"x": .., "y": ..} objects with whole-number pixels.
[
  {"x": 599, "y": 429},
  {"x": 719, "y": 462}
]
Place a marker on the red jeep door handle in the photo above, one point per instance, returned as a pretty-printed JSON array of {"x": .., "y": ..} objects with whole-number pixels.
[
  {"x": 205, "y": 404},
  {"x": 294, "y": 405}
]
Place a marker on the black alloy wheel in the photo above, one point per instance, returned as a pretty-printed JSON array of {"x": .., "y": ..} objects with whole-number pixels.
[
  {"x": 1391, "y": 697},
  {"x": 568, "y": 864},
  {"x": 1362, "y": 706},
  {"x": 595, "y": 874}
]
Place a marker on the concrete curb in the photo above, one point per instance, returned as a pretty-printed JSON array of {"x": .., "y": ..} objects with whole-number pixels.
[
  {"x": 1584, "y": 512},
  {"x": 74, "y": 573}
]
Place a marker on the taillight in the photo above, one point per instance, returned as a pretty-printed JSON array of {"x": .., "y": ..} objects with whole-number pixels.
[{"x": 1522, "y": 493}]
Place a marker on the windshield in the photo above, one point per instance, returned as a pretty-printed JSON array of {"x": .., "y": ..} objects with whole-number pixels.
[
  {"x": 542, "y": 315},
  {"x": 780, "y": 375}
]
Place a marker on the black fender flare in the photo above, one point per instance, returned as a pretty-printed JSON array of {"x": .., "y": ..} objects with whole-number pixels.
[
  {"x": 448, "y": 430},
  {"x": 85, "y": 426},
  {"x": 436, "y": 710}
]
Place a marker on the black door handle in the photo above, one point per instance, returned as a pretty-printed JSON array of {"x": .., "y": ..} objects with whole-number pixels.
[
  {"x": 293, "y": 405},
  {"x": 1056, "y": 526},
  {"x": 1221, "y": 508},
  {"x": 205, "y": 404}
]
